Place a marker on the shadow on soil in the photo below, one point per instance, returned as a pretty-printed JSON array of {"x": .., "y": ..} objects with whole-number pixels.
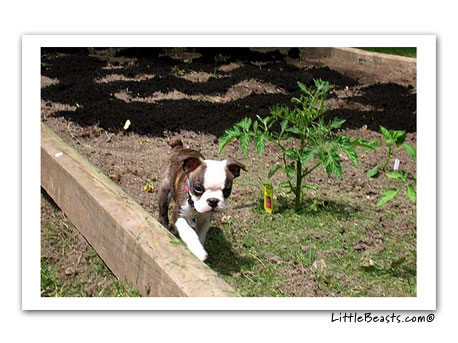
[
  {"x": 222, "y": 258},
  {"x": 285, "y": 205},
  {"x": 76, "y": 70}
]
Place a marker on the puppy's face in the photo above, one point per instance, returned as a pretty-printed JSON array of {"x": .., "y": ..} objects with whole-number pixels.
[{"x": 210, "y": 183}]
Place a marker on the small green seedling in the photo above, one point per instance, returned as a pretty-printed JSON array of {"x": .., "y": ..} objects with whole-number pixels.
[
  {"x": 395, "y": 138},
  {"x": 178, "y": 71}
]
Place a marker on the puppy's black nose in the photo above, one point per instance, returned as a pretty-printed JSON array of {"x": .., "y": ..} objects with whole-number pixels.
[{"x": 213, "y": 202}]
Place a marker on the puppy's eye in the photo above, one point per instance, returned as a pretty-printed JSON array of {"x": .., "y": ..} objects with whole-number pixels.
[
  {"x": 198, "y": 189},
  {"x": 227, "y": 191}
]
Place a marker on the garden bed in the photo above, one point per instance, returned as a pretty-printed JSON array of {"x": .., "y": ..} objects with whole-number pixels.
[{"x": 342, "y": 244}]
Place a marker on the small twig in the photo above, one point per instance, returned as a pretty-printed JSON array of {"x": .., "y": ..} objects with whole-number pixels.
[
  {"x": 109, "y": 137},
  {"x": 76, "y": 139},
  {"x": 257, "y": 259}
]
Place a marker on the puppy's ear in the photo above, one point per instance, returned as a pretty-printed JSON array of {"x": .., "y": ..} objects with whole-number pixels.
[
  {"x": 234, "y": 166},
  {"x": 190, "y": 164},
  {"x": 191, "y": 159}
]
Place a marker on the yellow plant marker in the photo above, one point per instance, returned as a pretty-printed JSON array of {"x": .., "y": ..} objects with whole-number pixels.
[{"x": 268, "y": 198}]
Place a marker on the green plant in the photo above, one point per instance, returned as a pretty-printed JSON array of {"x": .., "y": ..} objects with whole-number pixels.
[
  {"x": 318, "y": 144},
  {"x": 178, "y": 71},
  {"x": 395, "y": 138}
]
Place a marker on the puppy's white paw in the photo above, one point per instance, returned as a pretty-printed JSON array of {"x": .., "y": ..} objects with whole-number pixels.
[{"x": 201, "y": 254}]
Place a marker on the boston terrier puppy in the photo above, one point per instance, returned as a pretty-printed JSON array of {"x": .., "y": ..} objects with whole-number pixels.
[{"x": 199, "y": 188}]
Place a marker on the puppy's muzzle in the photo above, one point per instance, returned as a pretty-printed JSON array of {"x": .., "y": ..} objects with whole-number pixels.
[{"x": 213, "y": 203}]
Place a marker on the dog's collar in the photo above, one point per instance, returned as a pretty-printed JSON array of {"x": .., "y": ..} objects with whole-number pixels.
[{"x": 187, "y": 188}]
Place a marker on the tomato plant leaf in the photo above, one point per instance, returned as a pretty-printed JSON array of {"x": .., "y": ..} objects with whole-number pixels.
[
  {"x": 273, "y": 171},
  {"x": 245, "y": 142},
  {"x": 411, "y": 193},
  {"x": 337, "y": 123},
  {"x": 245, "y": 124},
  {"x": 411, "y": 151},
  {"x": 387, "y": 196},
  {"x": 331, "y": 162},
  {"x": 290, "y": 170},
  {"x": 396, "y": 175},
  {"x": 351, "y": 153},
  {"x": 372, "y": 172},
  {"x": 368, "y": 145},
  {"x": 285, "y": 184},
  {"x": 292, "y": 154},
  {"x": 388, "y": 138},
  {"x": 398, "y": 136},
  {"x": 229, "y": 135},
  {"x": 306, "y": 156},
  {"x": 302, "y": 86},
  {"x": 260, "y": 143}
]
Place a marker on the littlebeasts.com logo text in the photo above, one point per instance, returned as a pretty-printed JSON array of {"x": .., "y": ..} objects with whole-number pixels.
[{"x": 371, "y": 318}]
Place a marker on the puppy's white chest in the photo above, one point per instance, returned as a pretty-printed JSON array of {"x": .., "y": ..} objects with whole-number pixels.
[{"x": 194, "y": 218}]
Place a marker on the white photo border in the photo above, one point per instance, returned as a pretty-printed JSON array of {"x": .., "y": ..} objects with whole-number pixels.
[{"x": 426, "y": 173}]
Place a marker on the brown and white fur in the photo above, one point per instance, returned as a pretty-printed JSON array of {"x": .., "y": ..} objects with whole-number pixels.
[{"x": 206, "y": 192}]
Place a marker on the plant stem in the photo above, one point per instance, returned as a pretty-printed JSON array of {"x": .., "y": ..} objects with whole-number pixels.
[
  {"x": 297, "y": 205},
  {"x": 388, "y": 156},
  {"x": 308, "y": 171}
]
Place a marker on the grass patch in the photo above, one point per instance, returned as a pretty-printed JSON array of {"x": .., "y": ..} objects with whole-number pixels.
[
  {"x": 408, "y": 52},
  {"x": 328, "y": 249},
  {"x": 70, "y": 267}
]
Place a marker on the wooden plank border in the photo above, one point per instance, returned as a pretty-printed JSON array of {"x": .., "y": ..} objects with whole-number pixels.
[
  {"x": 130, "y": 241},
  {"x": 401, "y": 69}
]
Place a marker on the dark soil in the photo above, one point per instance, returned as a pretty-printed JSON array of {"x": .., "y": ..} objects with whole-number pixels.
[{"x": 90, "y": 114}]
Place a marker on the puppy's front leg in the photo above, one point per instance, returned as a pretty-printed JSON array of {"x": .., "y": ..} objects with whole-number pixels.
[
  {"x": 203, "y": 224},
  {"x": 189, "y": 236}
]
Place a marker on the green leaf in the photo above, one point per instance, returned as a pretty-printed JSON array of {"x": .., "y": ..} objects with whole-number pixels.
[
  {"x": 245, "y": 142},
  {"x": 255, "y": 126},
  {"x": 306, "y": 156},
  {"x": 337, "y": 123},
  {"x": 264, "y": 121},
  {"x": 245, "y": 124},
  {"x": 411, "y": 193},
  {"x": 229, "y": 135},
  {"x": 396, "y": 175},
  {"x": 284, "y": 125},
  {"x": 302, "y": 86},
  {"x": 290, "y": 170},
  {"x": 260, "y": 143},
  {"x": 309, "y": 186},
  {"x": 322, "y": 86},
  {"x": 387, "y": 196},
  {"x": 331, "y": 162},
  {"x": 372, "y": 172},
  {"x": 294, "y": 130},
  {"x": 386, "y": 134},
  {"x": 368, "y": 145},
  {"x": 292, "y": 154},
  {"x": 398, "y": 136},
  {"x": 286, "y": 184},
  {"x": 351, "y": 153},
  {"x": 273, "y": 171},
  {"x": 411, "y": 151}
]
